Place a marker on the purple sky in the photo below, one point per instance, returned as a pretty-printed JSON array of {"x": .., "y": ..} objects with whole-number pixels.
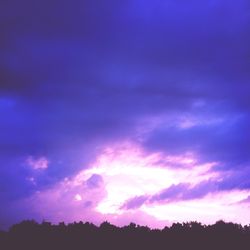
[{"x": 124, "y": 111}]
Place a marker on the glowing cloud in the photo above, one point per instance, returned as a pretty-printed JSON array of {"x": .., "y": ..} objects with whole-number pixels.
[
  {"x": 211, "y": 208},
  {"x": 128, "y": 172},
  {"x": 124, "y": 181}
]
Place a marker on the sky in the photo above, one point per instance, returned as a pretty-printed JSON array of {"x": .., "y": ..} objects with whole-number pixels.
[{"x": 125, "y": 111}]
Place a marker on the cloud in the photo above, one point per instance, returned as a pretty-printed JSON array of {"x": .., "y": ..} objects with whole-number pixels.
[
  {"x": 94, "y": 181},
  {"x": 106, "y": 190},
  {"x": 174, "y": 192},
  {"x": 225, "y": 142},
  {"x": 68, "y": 200},
  {"x": 185, "y": 192},
  {"x": 135, "y": 202},
  {"x": 38, "y": 163}
]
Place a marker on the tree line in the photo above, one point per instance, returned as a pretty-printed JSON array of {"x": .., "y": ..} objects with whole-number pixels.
[{"x": 80, "y": 236}]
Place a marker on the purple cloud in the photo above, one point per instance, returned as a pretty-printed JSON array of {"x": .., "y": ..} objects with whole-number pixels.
[
  {"x": 94, "y": 181},
  {"x": 174, "y": 192},
  {"x": 135, "y": 202},
  {"x": 181, "y": 192}
]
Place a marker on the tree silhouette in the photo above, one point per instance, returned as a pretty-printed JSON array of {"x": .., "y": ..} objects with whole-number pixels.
[{"x": 191, "y": 235}]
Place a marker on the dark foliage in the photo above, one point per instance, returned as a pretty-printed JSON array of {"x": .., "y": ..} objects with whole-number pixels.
[{"x": 193, "y": 235}]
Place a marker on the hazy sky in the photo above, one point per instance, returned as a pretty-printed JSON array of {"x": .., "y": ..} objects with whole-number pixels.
[{"x": 131, "y": 110}]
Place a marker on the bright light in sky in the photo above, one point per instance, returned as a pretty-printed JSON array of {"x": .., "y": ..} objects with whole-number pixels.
[
  {"x": 156, "y": 186},
  {"x": 209, "y": 209},
  {"x": 78, "y": 197},
  {"x": 127, "y": 173}
]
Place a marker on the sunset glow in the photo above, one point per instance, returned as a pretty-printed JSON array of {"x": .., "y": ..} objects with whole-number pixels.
[{"x": 114, "y": 185}]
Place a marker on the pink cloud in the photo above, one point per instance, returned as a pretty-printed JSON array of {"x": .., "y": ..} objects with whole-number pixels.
[
  {"x": 67, "y": 201},
  {"x": 37, "y": 163}
]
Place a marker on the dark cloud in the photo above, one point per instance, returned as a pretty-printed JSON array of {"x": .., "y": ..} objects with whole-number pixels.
[
  {"x": 185, "y": 191},
  {"x": 173, "y": 192},
  {"x": 178, "y": 192},
  {"x": 135, "y": 202},
  {"x": 226, "y": 142},
  {"x": 236, "y": 180},
  {"x": 94, "y": 181}
]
